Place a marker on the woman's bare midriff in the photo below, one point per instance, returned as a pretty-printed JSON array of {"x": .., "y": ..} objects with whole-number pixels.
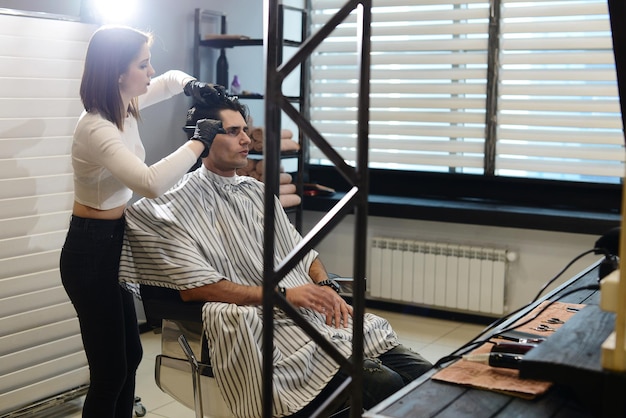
[{"x": 92, "y": 213}]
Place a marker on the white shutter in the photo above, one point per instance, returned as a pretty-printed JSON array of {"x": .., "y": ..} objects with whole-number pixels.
[
  {"x": 427, "y": 102},
  {"x": 41, "y": 62},
  {"x": 559, "y": 114},
  {"x": 558, "y": 109}
]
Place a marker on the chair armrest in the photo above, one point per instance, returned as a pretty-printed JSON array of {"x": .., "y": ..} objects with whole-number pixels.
[
  {"x": 162, "y": 303},
  {"x": 345, "y": 283}
]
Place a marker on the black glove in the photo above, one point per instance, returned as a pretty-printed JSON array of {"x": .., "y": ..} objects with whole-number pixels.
[
  {"x": 205, "y": 132},
  {"x": 204, "y": 93}
]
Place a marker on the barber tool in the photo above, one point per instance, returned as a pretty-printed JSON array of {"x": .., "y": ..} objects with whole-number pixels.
[
  {"x": 520, "y": 337},
  {"x": 553, "y": 321},
  {"x": 512, "y": 348},
  {"x": 502, "y": 360},
  {"x": 543, "y": 328}
]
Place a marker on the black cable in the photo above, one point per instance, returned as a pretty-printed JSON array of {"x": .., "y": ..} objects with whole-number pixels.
[
  {"x": 567, "y": 293},
  {"x": 455, "y": 354},
  {"x": 507, "y": 316},
  {"x": 459, "y": 352},
  {"x": 549, "y": 282}
]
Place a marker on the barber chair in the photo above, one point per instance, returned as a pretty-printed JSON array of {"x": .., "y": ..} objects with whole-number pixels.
[
  {"x": 187, "y": 379},
  {"x": 178, "y": 371}
]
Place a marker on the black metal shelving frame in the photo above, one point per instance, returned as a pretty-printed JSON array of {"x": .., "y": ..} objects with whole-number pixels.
[
  {"x": 354, "y": 201},
  {"x": 218, "y": 43}
]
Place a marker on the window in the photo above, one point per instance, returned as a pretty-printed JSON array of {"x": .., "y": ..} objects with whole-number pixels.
[
  {"x": 536, "y": 99},
  {"x": 61, "y": 10}
]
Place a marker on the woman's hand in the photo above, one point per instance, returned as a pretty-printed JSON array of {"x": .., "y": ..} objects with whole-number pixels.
[
  {"x": 205, "y": 132},
  {"x": 204, "y": 94}
]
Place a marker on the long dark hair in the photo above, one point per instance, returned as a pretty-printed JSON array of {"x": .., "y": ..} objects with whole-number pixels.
[{"x": 109, "y": 54}]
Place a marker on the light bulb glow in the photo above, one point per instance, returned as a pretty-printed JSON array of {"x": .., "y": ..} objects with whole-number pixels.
[{"x": 115, "y": 11}]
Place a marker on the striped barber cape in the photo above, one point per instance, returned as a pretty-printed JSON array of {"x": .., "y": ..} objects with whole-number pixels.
[{"x": 209, "y": 228}]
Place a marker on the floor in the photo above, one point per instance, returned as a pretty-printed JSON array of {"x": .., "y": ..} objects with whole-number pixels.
[{"x": 432, "y": 338}]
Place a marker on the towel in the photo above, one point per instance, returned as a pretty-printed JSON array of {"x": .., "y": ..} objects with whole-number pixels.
[
  {"x": 286, "y": 191},
  {"x": 289, "y": 200},
  {"x": 257, "y": 135}
]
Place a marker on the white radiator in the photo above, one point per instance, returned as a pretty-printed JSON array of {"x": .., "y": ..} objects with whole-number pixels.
[{"x": 460, "y": 277}]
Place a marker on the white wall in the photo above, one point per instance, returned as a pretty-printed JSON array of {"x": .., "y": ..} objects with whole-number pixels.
[{"x": 541, "y": 254}]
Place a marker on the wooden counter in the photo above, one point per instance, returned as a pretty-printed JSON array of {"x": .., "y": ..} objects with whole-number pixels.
[{"x": 570, "y": 358}]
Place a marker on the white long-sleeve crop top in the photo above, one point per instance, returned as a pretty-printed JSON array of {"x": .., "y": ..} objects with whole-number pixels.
[{"x": 109, "y": 164}]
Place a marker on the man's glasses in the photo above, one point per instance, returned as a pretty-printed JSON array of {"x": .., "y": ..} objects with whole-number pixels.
[{"x": 233, "y": 131}]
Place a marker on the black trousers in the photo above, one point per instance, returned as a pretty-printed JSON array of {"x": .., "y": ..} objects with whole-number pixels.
[
  {"x": 382, "y": 377},
  {"x": 106, "y": 312}
]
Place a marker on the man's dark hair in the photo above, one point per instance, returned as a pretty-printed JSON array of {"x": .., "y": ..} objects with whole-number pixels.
[{"x": 198, "y": 112}]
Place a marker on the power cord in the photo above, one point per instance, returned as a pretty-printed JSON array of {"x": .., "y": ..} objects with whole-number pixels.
[
  {"x": 610, "y": 263},
  {"x": 560, "y": 273},
  {"x": 566, "y": 293},
  {"x": 545, "y": 286},
  {"x": 458, "y": 353},
  {"x": 470, "y": 345}
]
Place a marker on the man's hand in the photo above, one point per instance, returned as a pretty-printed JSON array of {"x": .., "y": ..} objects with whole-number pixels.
[{"x": 321, "y": 299}]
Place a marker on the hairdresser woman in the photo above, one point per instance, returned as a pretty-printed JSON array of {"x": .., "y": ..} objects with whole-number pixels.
[{"x": 108, "y": 162}]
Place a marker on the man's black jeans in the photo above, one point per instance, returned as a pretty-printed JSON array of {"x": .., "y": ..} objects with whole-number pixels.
[{"x": 382, "y": 377}]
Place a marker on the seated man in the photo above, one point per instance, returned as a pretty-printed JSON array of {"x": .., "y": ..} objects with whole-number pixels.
[{"x": 204, "y": 237}]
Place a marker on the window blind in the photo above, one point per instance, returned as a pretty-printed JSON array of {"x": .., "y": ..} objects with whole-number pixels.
[
  {"x": 41, "y": 353},
  {"x": 557, "y": 108},
  {"x": 558, "y": 112}
]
